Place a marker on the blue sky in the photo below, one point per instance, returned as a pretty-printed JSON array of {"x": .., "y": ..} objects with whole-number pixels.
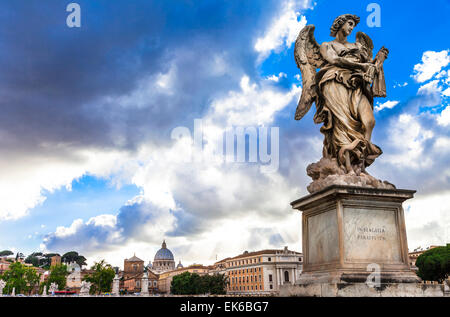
[{"x": 87, "y": 161}]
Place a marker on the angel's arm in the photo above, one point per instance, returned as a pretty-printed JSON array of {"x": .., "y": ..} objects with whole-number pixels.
[{"x": 330, "y": 55}]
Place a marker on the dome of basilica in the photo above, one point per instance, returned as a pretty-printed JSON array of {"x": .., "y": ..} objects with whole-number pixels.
[{"x": 164, "y": 253}]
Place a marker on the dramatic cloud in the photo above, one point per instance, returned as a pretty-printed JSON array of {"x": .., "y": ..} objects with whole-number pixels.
[{"x": 74, "y": 99}]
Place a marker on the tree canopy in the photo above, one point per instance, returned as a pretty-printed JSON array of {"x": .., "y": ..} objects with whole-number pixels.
[
  {"x": 20, "y": 277},
  {"x": 434, "y": 264},
  {"x": 6, "y": 253},
  {"x": 101, "y": 278},
  {"x": 58, "y": 274},
  {"x": 193, "y": 284},
  {"x": 73, "y": 256},
  {"x": 39, "y": 259}
]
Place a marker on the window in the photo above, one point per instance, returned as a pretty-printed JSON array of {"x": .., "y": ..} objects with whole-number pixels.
[
  {"x": 286, "y": 276},
  {"x": 271, "y": 287},
  {"x": 270, "y": 277},
  {"x": 269, "y": 259}
]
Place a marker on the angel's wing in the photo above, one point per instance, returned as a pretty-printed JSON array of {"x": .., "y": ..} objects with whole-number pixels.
[
  {"x": 366, "y": 42},
  {"x": 308, "y": 59}
]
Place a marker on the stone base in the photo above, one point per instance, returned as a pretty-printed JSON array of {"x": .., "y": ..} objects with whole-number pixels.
[
  {"x": 350, "y": 232},
  {"x": 363, "y": 290},
  {"x": 343, "y": 277}
]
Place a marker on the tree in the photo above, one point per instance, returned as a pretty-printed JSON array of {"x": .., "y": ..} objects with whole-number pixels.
[
  {"x": 20, "y": 277},
  {"x": 58, "y": 274},
  {"x": 46, "y": 261},
  {"x": 217, "y": 284},
  {"x": 19, "y": 255},
  {"x": 6, "y": 253},
  {"x": 34, "y": 259},
  {"x": 102, "y": 277},
  {"x": 194, "y": 284},
  {"x": 73, "y": 256},
  {"x": 434, "y": 264}
]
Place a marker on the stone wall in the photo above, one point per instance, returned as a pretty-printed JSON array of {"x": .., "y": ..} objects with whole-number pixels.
[{"x": 363, "y": 290}]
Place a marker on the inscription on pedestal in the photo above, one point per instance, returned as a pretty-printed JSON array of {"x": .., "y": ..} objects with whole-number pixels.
[
  {"x": 365, "y": 233},
  {"x": 371, "y": 235}
]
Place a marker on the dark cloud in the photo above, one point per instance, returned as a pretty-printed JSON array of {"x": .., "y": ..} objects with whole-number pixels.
[{"x": 54, "y": 79}]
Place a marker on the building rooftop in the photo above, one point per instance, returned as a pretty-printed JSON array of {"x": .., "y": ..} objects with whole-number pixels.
[
  {"x": 261, "y": 252},
  {"x": 134, "y": 258}
]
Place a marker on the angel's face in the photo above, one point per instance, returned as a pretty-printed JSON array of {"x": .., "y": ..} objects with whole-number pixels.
[{"x": 347, "y": 28}]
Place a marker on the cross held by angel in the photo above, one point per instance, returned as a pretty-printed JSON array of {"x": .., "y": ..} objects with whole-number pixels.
[{"x": 343, "y": 91}]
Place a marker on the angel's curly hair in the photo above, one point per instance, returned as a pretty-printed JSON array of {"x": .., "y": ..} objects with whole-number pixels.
[{"x": 339, "y": 22}]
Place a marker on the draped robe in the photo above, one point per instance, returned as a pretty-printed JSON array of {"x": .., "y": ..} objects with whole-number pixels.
[{"x": 341, "y": 93}]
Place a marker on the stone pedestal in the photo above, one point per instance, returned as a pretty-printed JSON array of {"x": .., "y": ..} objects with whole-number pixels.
[{"x": 350, "y": 232}]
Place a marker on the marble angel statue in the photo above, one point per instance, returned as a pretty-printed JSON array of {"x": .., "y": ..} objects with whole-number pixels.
[{"x": 343, "y": 91}]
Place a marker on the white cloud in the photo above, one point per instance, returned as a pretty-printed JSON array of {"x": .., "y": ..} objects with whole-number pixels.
[
  {"x": 251, "y": 106},
  {"x": 442, "y": 145},
  {"x": 438, "y": 88},
  {"x": 432, "y": 63},
  {"x": 400, "y": 85},
  {"x": 444, "y": 117},
  {"x": 408, "y": 138},
  {"x": 283, "y": 30},
  {"x": 446, "y": 92},
  {"x": 430, "y": 88},
  {"x": 276, "y": 78},
  {"x": 386, "y": 105},
  {"x": 428, "y": 220},
  {"x": 26, "y": 182}
]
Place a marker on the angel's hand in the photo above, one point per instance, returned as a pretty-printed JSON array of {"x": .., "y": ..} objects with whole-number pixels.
[{"x": 367, "y": 67}]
